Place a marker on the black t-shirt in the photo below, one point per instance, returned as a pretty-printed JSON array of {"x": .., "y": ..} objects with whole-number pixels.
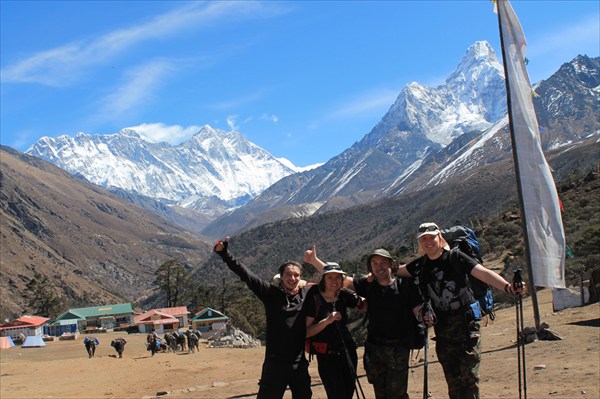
[
  {"x": 389, "y": 308},
  {"x": 316, "y": 306},
  {"x": 444, "y": 279}
]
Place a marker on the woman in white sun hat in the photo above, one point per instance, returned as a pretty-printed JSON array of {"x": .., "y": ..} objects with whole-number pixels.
[{"x": 326, "y": 307}]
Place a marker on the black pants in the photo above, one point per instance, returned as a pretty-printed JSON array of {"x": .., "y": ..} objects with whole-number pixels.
[
  {"x": 338, "y": 378},
  {"x": 277, "y": 376}
]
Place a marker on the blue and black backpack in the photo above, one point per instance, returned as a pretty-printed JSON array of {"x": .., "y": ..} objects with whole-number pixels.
[{"x": 463, "y": 238}]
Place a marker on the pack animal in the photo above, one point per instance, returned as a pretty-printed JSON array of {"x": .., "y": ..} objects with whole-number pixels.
[
  {"x": 119, "y": 345},
  {"x": 170, "y": 341},
  {"x": 182, "y": 342},
  {"x": 90, "y": 346},
  {"x": 192, "y": 341}
]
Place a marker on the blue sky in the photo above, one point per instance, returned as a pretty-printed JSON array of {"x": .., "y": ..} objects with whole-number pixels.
[{"x": 302, "y": 79}]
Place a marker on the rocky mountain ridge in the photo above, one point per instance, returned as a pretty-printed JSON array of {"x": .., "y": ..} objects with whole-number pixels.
[
  {"x": 211, "y": 172},
  {"x": 397, "y": 157}
]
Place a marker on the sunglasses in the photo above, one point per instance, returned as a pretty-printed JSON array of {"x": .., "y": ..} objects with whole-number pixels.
[
  {"x": 428, "y": 228},
  {"x": 330, "y": 267}
]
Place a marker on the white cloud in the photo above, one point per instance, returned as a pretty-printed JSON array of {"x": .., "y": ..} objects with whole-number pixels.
[
  {"x": 231, "y": 122},
  {"x": 64, "y": 64},
  {"x": 375, "y": 102},
  {"x": 272, "y": 118},
  {"x": 240, "y": 101},
  {"x": 171, "y": 134},
  {"x": 561, "y": 41},
  {"x": 138, "y": 88}
]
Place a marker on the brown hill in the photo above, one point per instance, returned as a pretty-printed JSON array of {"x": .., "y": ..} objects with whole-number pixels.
[{"x": 94, "y": 247}]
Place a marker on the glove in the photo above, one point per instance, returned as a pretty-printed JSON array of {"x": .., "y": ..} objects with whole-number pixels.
[{"x": 224, "y": 243}]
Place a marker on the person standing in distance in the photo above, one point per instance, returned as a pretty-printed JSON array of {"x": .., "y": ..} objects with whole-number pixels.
[
  {"x": 285, "y": 363},
  {"x": 442, "y": 278}
]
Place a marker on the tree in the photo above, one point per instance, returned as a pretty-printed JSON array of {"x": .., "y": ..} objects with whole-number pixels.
[
  {"x": 172, "y": 280},
  {"x": 42, "y": 297}
]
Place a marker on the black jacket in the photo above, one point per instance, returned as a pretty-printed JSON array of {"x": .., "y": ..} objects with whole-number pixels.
[{"x": 286, "y": 324}]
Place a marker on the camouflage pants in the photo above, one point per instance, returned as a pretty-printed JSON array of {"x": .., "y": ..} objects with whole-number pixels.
[
  {"x": 458, "y": 347},
  {"x": 387, "y": 370}
]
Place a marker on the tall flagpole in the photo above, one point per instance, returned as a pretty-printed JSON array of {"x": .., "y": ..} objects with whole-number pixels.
[{"x": 536, "y": 311}]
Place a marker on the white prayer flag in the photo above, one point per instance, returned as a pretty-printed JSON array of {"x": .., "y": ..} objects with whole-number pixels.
[{"x": 540, "y": 201}]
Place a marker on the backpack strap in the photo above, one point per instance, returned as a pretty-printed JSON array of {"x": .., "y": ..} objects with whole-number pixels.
[
  {"x": 368, "y": 290},
  {"x": 418, "y": 280}
]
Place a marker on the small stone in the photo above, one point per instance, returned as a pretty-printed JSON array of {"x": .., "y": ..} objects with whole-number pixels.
[{"x": 540, "y": 367}]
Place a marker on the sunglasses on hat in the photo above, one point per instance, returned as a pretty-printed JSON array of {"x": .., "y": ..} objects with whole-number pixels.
[
  {"x": 331, "y": 267},
  {"x": 423, "y": 229}
]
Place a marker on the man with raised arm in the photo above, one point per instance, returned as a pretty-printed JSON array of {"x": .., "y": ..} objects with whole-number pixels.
[{"x": 285, "y": 363}]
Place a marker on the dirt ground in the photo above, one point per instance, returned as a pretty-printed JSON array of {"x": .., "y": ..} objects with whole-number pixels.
[{"x": 568, "y": 368}]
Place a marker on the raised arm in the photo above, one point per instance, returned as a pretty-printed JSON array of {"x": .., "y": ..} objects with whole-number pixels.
[
  {"x": 253, "y": 281},
  {"x": 310, "y": 257}
]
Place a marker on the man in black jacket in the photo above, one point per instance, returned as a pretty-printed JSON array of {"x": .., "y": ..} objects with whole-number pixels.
[{"x": 285, "y": 363}]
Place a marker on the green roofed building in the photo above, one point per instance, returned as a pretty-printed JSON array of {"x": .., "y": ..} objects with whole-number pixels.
[
  {"x": 209, "y": 319},
  {"x": 106, "y": 317}
]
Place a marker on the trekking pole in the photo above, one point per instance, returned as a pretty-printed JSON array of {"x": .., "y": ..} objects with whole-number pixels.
[
  {"x": 517, "y": 284},
  {"x": 426, "y": 312},
  {"x": 349, "y": 361},
  {"x": 425, "y": 364}
]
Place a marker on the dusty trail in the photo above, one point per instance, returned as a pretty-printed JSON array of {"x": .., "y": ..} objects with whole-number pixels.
[{"x": 555, "y": 369}]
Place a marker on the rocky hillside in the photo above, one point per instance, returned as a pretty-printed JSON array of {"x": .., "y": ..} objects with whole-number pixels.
[
  {"x": 349, "y": 234},
  {"x": 94, "y": 247}
]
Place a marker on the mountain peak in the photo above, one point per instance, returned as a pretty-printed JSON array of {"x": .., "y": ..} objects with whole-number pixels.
[
  {"x": 130, "y": 133},
  {"x": 208, "y": 129},
  {"x": 481, "y": 50},
  {"x": 479, "y": 60}
]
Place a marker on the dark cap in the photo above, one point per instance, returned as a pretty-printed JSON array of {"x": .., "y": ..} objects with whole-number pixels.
[
  {"x": 332, "y": 267},
  {"x": 380, "y": 252}
]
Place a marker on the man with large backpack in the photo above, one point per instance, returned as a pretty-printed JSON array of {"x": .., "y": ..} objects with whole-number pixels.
[{"x": 441, "y": 274}]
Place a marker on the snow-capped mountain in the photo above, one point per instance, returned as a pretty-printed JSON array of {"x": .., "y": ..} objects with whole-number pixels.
[
  {"x": 422, "y": 121},
  {"x": 212, "y": 171},
  {"x": 430, "y": 136},
  {"x": 472, "y": 99}
]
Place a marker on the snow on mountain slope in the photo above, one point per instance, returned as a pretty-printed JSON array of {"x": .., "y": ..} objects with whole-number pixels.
[
  {"x": 429, "y": 136},
  {"x": 212, "y": 164}
]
